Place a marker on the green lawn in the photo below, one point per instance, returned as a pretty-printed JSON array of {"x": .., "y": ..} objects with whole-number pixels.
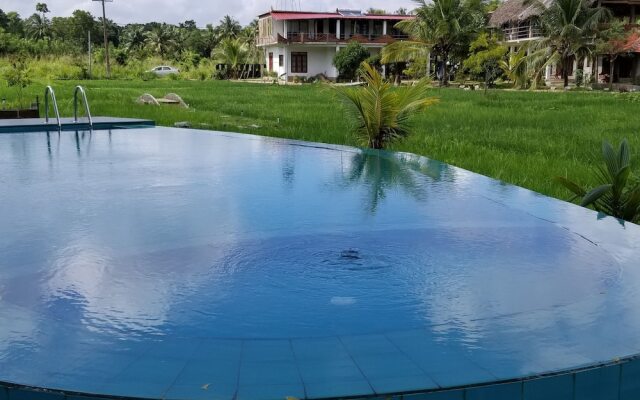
[{"x": 523, "y": 138}]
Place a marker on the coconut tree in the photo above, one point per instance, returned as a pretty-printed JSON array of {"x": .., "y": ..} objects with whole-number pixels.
[
  {"x": 381, "y": 113},
  {"x": 569, "y": 28},
  {"x": 231, "y": 52},
  {"x": 441, "y": 27},
  {"x": 43, "y": 9},
  {"x": 37, "y": 27},
  {"x": 161, "y": 39},
  {"x": 133, "y": 37},
  {"x": 228, "y": 27}
]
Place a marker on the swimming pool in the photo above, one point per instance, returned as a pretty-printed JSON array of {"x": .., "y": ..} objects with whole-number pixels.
[{"x": 185, "y": 264}]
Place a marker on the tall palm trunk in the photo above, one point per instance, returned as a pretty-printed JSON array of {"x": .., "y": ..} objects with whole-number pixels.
[
  {"x": 445, "y": 69},
  {"x": 565, "y": 72},
  {"x": 612, "y": 61}
]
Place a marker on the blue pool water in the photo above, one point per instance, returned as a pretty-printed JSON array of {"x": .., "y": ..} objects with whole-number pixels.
[{"x": 167, "y": 263}]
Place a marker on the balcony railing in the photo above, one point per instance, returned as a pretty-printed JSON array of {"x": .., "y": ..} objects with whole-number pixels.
[
  {"x": 524, "y": 32},
  {"x": 330, "y": 38}
]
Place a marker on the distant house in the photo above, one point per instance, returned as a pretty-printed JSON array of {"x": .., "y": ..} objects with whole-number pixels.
[
  {"x": 303, "y": 44},
  {"x": 518, "y": 20}
]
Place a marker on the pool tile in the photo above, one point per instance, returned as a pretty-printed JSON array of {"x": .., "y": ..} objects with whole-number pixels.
[
  {"x": 338, "y": 389},
  {"x": 137, "y": 388},
  {"x": 200, "y": 392},
  {"x": 387, "y": 366},
  {"x": 465, "y": 376},
  {"x": 269, "y": 373},
  {"x": 85, "y": 383},
  {"x": 153, "y": 369},
  {"x": 199, "y": 372},
  {"x": 549, "y": 388},
  {"x": 368, "y": 345},
  {"x": 16, "y": 394},
  {"x": 321, "y": 371},
  {"x": 447, "y": 395},
  {"x": 270, "y": 392},
  {"x": 320, "y": 349},
  {"x": 509, "y": 391},
  {"x": 403, "y": 383},
  {"x": 630, "y": 380},
  {"x": 598, "y": 384},
  {"x": 504, "y": 364},
  {"x": 218, "y": 350},
  {"x": 267, "y": 350},
  {"x": 181, "y": 348}
]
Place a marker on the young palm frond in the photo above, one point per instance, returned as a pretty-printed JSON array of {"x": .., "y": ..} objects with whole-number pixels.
[
  {"x": 381, "y": 113},
  {"x": 618, "y": 192}
]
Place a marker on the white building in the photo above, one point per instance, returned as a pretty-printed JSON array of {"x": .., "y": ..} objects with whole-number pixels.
[{"x": 303, "y": 44}]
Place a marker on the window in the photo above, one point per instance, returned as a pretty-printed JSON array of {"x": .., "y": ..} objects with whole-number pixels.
[
  {"x": 299, "y": 63},
  {"x": 281, "y": 60}
]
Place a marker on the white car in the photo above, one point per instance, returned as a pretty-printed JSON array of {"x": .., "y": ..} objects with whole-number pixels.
[{"x": 165, "y": 70}]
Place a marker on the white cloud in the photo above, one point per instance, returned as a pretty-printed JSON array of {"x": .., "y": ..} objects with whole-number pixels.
[{"x": 174, "y": 11}]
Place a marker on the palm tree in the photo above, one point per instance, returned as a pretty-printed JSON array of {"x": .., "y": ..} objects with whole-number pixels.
[
  {"x": 43, "y": 9},
  {"x": 228, "y": 28},
  {"x": 133, "y": 38},
  {"x": 516, "y": 69},
  {"x": 161, "y": 39},
  {"x": 380, "y": 112},
  {"x": 569, "y": 28},
  {"x": 37, "y": 28},
  {"x": 444, "y": 27},
  {"x": 232, "y": 52}
]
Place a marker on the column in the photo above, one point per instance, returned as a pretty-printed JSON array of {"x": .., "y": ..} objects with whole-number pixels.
[
  {"x": 370, "y": 28},
  {"x": 285, "y": 29},
  {"x": 384, "y": 27},
  {"x": 338, "y": 29}
]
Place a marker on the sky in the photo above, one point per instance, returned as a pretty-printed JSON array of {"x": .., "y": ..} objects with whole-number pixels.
[{"x": 202, "y": 11}]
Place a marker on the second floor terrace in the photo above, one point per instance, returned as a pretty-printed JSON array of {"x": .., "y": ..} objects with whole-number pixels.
[{"x": 330, "y": 28}]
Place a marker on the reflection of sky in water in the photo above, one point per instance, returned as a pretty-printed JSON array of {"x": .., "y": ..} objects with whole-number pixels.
[{"x": 157, "y": 233}]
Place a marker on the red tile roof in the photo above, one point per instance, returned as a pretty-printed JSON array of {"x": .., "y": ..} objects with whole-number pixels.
[{"x": 294, "y": 15}]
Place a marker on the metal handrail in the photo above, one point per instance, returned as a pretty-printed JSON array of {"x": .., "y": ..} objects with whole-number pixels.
[
  {"x": 50, "y": 92},
  {"x": 86, "y": 105}
]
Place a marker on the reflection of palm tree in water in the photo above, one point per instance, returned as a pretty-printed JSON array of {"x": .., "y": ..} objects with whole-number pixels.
[{"x": 384, "y": 171}]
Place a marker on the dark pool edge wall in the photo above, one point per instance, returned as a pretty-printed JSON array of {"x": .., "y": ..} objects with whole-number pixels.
[
  {"x": 618, "y": 379},
  {"x": 67, "y": 124}
]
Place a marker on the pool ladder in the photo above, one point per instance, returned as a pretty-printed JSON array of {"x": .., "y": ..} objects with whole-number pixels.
[{"x": 50, "y": 93}]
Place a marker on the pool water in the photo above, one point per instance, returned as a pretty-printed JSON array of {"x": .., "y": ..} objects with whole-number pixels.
[{"x": 156, "y": 247}]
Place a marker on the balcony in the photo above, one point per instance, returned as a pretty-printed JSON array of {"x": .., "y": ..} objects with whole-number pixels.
[
  {"x": 521, "y": 33},
  {"x": 329, "y": 38}
]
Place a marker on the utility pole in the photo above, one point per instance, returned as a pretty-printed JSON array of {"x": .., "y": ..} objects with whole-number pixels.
[
  {"x": 106, "y": 39},
  {"x": 90, "y": 58}
]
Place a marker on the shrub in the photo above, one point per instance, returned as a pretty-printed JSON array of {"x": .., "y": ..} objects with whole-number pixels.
[
  {"x": 348, "y": 60},
  {"x": 579, "y": 78}
]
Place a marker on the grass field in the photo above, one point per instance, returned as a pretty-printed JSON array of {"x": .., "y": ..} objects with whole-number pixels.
[{"x": 523, "y": 138}]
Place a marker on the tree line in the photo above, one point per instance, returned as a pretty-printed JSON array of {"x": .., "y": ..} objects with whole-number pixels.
[{"x": 228, "y": 42}]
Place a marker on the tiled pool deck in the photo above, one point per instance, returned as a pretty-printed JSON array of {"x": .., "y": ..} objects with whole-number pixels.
[{"x": 571, "y": 350}]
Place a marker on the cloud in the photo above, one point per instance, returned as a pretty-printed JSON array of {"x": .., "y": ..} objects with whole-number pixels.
[{"x": 174, "y": 11}]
